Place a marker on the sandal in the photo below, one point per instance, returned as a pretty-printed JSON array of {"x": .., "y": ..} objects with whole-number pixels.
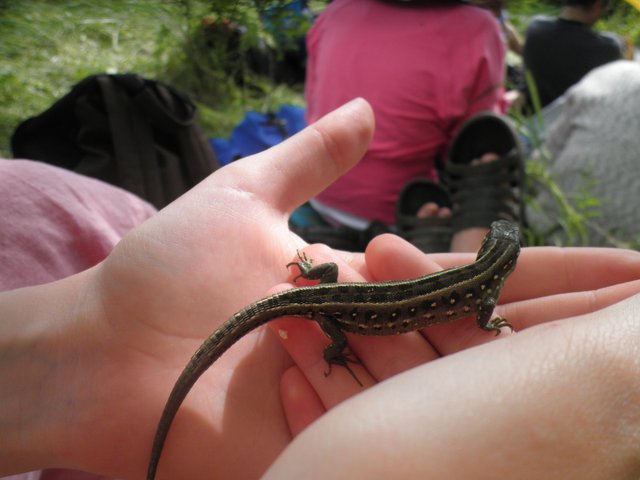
[
  {"x": 432, "y": 234},
  {"x": 485, "y": 192}
]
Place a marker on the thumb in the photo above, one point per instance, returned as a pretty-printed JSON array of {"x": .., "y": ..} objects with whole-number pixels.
[{"x": 287, "y": 175}]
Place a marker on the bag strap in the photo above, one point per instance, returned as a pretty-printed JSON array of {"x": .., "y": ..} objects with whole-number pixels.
[{"x": 132, "y": 143}]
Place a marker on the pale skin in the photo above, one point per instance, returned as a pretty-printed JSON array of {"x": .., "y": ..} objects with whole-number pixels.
[
  {"x": 587, "y": 15},
  {"x": 86, "y": 363}
]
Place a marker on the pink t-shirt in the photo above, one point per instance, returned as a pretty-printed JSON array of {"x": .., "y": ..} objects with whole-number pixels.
[
  {"x": 54, "y": 223},
  {"x": 423, "y": 69}
]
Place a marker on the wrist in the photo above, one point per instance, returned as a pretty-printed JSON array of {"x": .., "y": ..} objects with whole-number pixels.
[{"x": 41, "y": 356}]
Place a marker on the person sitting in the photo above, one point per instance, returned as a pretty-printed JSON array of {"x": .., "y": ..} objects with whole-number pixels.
[
  {"x": 558, "y": 52},
  {"x": 593, "y": 154},
  {"x": 424, "y": 68}
]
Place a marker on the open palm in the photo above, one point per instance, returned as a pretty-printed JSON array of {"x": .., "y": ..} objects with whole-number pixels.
[{"x": 172, "y": 281}]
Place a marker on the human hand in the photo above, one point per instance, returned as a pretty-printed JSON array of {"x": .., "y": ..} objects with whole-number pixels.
[
  {"x": 558, "y": 399},
  {"x": 129, "y": 325}
]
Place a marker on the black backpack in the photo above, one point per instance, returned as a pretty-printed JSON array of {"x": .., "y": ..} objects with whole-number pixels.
[{"x": 138, "y": 134}]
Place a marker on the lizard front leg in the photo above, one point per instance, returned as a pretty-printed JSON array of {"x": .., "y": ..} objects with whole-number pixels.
[
  {"x": 325, "y": 272},
  {"x": 484, "y": 316}
]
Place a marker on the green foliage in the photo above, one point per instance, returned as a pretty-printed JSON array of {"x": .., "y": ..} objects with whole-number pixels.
[
  {"x": 568, "y": 218},
  {"x": 213, "y": 64},
  {"x": 623, "y": 20},
  {"x": 521, "y": 11},
  {"x": 48, "y": 46}
]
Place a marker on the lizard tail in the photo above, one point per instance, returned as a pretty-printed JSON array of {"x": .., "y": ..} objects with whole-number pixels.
[{"x": 213, "y": 347}]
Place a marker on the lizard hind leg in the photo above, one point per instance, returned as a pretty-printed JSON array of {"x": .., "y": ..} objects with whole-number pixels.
[
  {"x": 343, "y": 360},
  {"x": 485, "y": 318},
  {"x": 335, "y": 354}
]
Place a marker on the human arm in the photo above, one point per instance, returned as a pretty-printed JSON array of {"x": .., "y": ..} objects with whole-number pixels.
[
  {"x": 558, "y": 399},
  {"x": 88, "y": 361},
  {"x": 514, "y": 40}
]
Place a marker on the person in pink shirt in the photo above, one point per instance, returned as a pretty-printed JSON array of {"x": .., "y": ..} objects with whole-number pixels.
[{"x": 424, "y": 67}]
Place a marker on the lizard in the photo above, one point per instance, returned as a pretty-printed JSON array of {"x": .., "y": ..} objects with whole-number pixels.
[{"x": 364, "y": 308}]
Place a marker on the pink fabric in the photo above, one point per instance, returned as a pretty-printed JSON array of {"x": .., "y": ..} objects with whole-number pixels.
[
  {"x": 54, "y": 223},
  {"x": 424, "y": 70}
]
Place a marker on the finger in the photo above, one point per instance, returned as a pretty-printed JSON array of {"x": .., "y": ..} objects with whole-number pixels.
[
  {"x": 540, "y": 271},
  {"x": 290, "y": 173},
  {"x": 351, "y": 265},
  {"x": 527, "y": 313},
  {"x": 300, "y": 402},
  {"x": 380, "y": 357},
  {"x": 389, "y": 257},
  {"x": 544, "y": 271},
  {"x": 385, "y": 356},
  {"x": 392, "y": 258},
  {"x": 305, "y": 343}
]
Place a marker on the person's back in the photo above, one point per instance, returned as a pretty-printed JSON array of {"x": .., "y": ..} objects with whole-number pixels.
[
  {"x": 593, "y": 147},
  {"x": 560, "y": 51},
  {"x": 424, "y": 69}
]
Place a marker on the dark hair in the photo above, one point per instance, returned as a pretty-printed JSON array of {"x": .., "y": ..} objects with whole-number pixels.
[{"x": 586, "y": 4}]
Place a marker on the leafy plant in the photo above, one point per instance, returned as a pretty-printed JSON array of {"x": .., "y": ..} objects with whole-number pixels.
[
  {"x": 47, "y": 47},
  {"x": 623, "y": 20}
]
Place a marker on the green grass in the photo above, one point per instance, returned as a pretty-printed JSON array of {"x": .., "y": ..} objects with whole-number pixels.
[
  {"x": 624, "y": 20},
  {"x": 48, "y": 46}
]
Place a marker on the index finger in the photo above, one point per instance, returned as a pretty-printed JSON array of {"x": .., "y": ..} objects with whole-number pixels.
[
  {"x": 544, "y": 271},
  {"x": 540, "y": 271}
]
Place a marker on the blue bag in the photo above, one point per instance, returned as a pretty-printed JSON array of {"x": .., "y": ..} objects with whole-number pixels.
[{"x": 257, "y": 132}]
